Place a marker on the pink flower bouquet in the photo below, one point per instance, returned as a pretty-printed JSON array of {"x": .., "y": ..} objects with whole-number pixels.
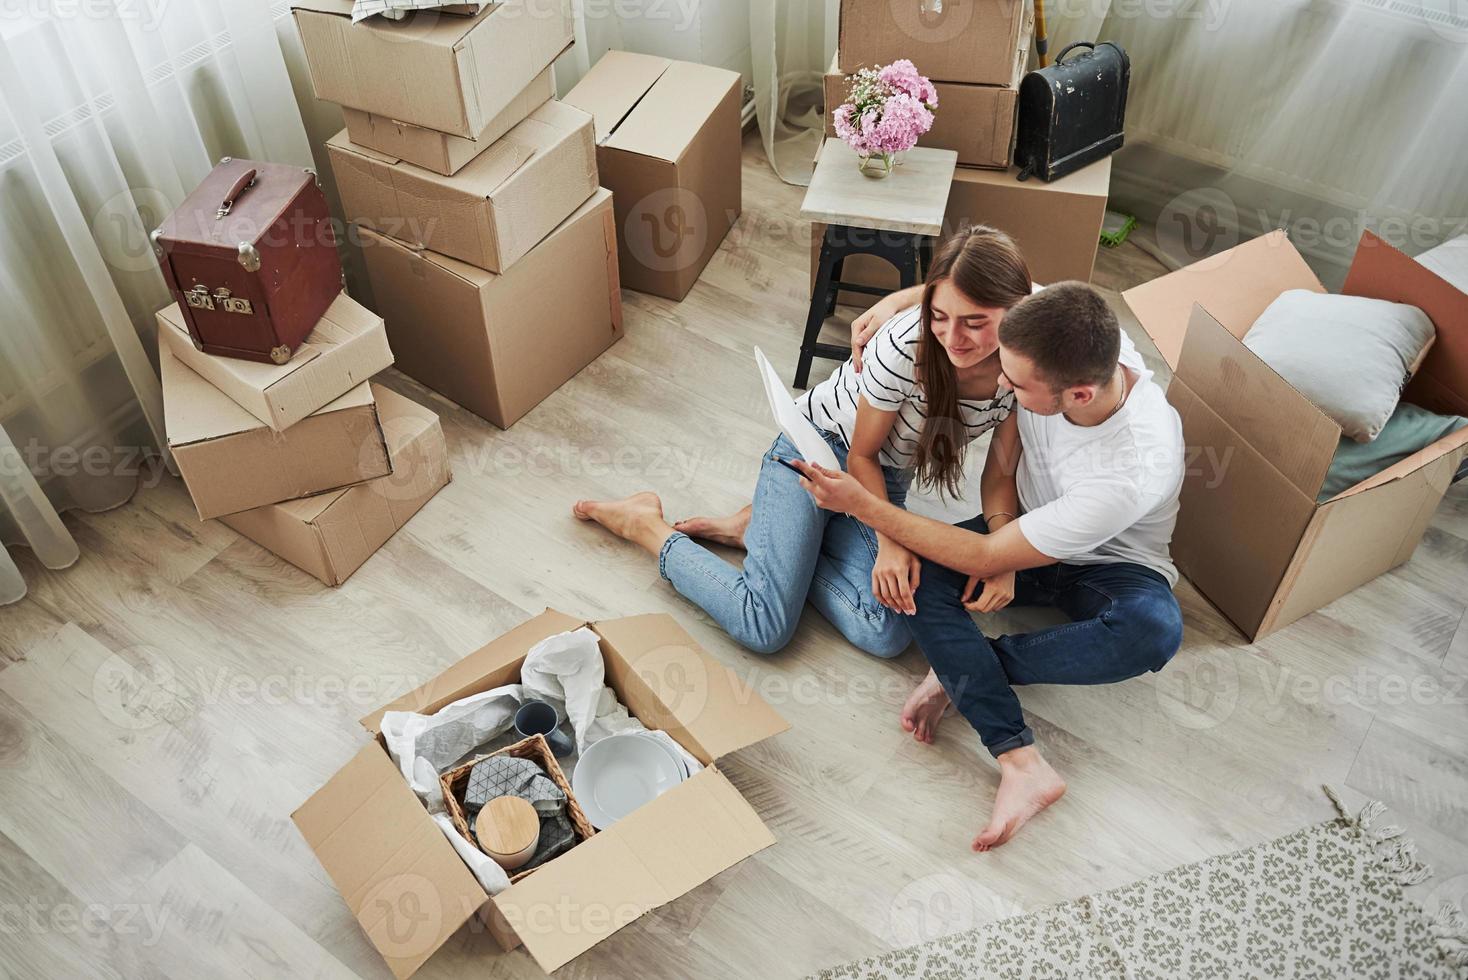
[{"x": 885, "y": 111}]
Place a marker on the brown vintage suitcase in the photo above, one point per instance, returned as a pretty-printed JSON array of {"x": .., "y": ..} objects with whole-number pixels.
[{"x": 251, "y": 258}]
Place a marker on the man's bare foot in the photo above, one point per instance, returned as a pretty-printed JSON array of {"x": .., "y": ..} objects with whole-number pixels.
[
  {"x": 720, "y": 530},
  {"x": 924, "y": 708},
  {"x": 638, "y": 518},
  {"x": 1027, "y": 785}
]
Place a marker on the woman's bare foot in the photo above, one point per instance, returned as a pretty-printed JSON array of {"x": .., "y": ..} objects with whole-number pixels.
[
  {"x": 1027, "y": 785},
  {"x": 924, "y": 708},
  {"x": 720, "y": 530},
  {"x": 638, "y": 518}
]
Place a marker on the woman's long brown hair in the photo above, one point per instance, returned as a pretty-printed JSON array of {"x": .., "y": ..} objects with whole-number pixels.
[{"x": 987, "y": 267}]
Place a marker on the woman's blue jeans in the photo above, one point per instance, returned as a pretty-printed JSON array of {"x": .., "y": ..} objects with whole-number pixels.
[{"x": 795, "y": 552}]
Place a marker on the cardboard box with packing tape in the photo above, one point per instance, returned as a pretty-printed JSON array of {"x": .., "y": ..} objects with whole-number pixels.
[
  {"x": 492, "y": 211},
  {"x": 1251, "y": 535},
  {"x": 385, "y": 853}
]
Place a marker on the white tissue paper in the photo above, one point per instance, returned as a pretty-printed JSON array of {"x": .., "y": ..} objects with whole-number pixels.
[
  {"x": 398, "y": 9},
  {"x": 566, "y": 670}
]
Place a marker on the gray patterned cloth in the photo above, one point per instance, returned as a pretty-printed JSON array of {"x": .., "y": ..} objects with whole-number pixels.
[
  {"x": 1324, "y": 902},
  {"x": 505, "y": 775}
]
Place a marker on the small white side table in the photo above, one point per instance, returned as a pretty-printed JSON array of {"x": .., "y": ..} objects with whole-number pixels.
[{"x": 895, "y": 218}]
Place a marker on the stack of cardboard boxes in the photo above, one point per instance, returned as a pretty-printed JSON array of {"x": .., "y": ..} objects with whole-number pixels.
[
  {"x": 489, "y": 244},
  {"x": 975, "y": 54},
  {"x": 307, "y": 458}
]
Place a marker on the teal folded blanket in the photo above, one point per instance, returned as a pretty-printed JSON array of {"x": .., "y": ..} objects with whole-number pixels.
[{"x": 1409, "y": 430}]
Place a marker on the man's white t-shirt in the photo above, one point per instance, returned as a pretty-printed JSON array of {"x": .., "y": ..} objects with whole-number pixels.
[{"x": 1104, "y": 493}]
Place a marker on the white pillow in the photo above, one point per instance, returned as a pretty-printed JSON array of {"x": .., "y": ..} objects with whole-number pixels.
[{"x": 1351, "y": 356}]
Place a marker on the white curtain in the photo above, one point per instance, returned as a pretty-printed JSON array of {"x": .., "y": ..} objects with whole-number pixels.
[
  {"x": 791, "y": 44},
  {"x": 1324, "y": 118},
  {"x": 108, "y": 116}
]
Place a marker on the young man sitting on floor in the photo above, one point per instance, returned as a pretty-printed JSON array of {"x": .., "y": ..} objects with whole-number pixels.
[{"x": 1097, "y": 457}]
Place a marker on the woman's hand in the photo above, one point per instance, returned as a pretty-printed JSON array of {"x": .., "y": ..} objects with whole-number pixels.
[
  {"x": 895, "y": 577},
  {"x": 998, "y": 593},
  {"x": 833, "y": 489}
]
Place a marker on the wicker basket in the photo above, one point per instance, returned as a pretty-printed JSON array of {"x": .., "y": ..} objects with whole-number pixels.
[{"x": 456, "y": 780}]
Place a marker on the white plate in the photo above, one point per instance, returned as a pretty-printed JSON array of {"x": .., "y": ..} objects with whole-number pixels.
[
  {"x": 619, "y": 774},
  {"x": 663, "y": 744}
]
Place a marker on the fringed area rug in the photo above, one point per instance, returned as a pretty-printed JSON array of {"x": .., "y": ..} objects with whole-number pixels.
[{"x": 1324, "y": 902}]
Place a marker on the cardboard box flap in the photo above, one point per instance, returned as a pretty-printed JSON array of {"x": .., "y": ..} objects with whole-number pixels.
[
  {"x": 1410, "y": 465},
  {"x": 673, "y": 685},
  {"x": 1380, "y": 271},
  {"x": 1235, "y": 286},
  {"x": 1283, "y": 425},
  {"x": 672, "y": 112},
  {"x": 660, "y": 851},
  {"x": 613, "y": 86},
  {"x": 391, "y": 863},
  {"x": 196, "y": 411},
  {"x": 480, "y": 670}
]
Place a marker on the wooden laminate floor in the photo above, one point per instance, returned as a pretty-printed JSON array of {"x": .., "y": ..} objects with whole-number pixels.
[{"x": 153, "y": 839}]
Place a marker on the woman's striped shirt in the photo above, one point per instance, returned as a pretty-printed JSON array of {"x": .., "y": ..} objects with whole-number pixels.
[{"x": 888, "y": 381}]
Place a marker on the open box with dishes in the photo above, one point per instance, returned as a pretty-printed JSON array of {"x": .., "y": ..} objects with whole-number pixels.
[
  {"x": 1266, "y": 530},
  {"x": 408, "y": 886},
  {"x": 506, "y": 802}
]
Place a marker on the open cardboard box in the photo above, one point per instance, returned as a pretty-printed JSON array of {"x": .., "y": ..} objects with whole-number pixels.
[
  {"x": 410, "y": 890},
  {"x": 1250, "y": 534},
  {"x": 668, "y": 148}
]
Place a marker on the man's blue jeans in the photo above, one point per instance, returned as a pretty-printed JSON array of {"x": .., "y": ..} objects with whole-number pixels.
[{"x": 1125, "y": 621}]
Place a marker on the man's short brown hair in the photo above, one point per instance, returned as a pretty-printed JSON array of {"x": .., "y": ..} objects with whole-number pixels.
[{"x": 1069, "y": 333}]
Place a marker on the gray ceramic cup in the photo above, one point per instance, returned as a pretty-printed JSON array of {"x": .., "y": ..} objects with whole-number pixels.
[{"x": 541, "y": 718}]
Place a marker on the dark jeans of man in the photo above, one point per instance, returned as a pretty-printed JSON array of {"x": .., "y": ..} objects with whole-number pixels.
[{"x": 1125, "y": 621}]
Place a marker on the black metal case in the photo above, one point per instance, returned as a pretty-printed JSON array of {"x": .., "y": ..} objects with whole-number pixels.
[{"x": 1072, "y": 113}]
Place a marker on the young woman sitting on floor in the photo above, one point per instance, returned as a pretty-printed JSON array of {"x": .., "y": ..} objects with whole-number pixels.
[{"x": 926, "y": 387}]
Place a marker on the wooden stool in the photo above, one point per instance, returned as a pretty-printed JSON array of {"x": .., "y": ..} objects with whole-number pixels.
[{"x": 895, "y": 218}]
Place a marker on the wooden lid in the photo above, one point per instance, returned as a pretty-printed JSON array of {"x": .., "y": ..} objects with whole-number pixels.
[{"x": 506, "y": 826}]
